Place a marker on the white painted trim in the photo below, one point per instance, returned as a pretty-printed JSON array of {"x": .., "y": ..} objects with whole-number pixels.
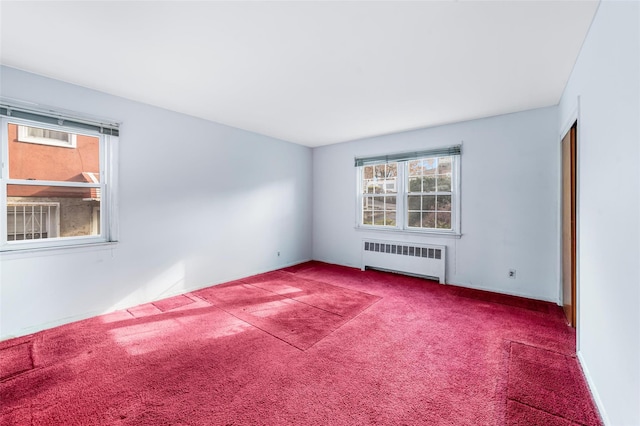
[
  {"x": 578, "y": 180},
  {"x": 56, "y": 250},
  {"x": 594, "y": 390},
  {"x": 573, "y": 117},
  {"x": 400, "y": 231}
]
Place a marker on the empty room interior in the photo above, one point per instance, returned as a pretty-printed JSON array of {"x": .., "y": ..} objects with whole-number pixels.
[{"x": 320, "y": 213}]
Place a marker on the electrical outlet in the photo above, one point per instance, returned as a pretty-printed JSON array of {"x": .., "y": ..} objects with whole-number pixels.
[{"x": 512, "y": 273}]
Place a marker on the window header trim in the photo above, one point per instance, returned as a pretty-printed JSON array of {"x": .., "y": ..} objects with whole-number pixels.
[
  {"x": 406, "y": 156},
  {"x": 58, "y": 119}
]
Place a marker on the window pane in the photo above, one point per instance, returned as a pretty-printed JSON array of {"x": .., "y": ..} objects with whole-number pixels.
[
  {"x": 413, "y": 202},
  {"x": 414, "y": 219},
  {"x": 415, "y": 184},
  {"x": 428, "y": 220},
  {"x": 429, "y": 166},
  {"x": 444, "y": 165},
  {"x": 390, "y": 186},
  {"x": 367, "y": 187},
  {"x": 35, "y": 134},
  {"x": 390, "y": 203},
  {"x": 378, "y": 203},
  {"x": 444, "y": 202},
  {"x": 390, "y": 219},
  {"x": 444, "y": 183},
  {"x": 429, "y": 202},
  {"x": 367, "y": 203},
  {"x": 379, "y": 171},
  {"x": 378, "y": 218},
  {"x": 415, "y": 168},
  {"x": 444, "y": 220},
  {"x": 429, "y": 184},
  {"x": 42, "y": 161},
  {"x": 368, "y": 172},
  {"x": 367, "y": 218},
  {"x": 35, "y": 212},
  {"x": 392, "y": 170}
]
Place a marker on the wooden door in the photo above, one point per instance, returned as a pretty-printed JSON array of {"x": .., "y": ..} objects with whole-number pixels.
[{"x": 569, "y": 225}]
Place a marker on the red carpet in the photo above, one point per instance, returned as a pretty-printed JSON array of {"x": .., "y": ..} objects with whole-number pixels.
[
  {"x": 549, "y": 381},
  {"x": 314, "y": 344},
  {"x": 293, "y": 309},
  {"x": 15, "y": 360}
]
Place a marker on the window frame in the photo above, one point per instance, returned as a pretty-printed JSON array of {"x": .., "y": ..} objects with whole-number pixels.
[
  {"x": 402, "y": 200},
  {"x": 107, "y": 187}
]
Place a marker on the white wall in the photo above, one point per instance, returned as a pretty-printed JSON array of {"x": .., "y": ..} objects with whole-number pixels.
[
  {"x": 200, "y": 203},
  {"x": 606, "y": 78},
  {"x": 509, "y": 178}
]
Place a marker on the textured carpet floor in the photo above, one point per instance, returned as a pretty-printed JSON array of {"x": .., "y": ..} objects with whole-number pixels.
[{"x": 313, "y": 344}]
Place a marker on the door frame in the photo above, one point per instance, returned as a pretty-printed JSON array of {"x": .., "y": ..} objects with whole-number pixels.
[{"x": 573, "y": 118}]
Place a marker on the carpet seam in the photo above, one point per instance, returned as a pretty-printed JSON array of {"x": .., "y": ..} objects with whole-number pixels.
[
  {"x": 317, "y": 307},
  {"x": 345, "y": 323},
  {"x": 255, "y": 326},
  {"x": 540, "y": 347},
  {"x": 545, "y": 411},
  {"x": 295, "y": 300},
  {"x": 524, "y": 403},
  {"x": 345, "y": 288},
  {"x": 307, "y": 304},
  {"x": 29, "y": 344},
  {"x": 246, "y": 322}
]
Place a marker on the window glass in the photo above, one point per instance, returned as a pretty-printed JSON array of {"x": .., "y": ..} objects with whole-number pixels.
[
  {"x": 53, "y": 186},
  {"x": 430, "y": 182},
  {"x": 416, "y": 194},
  {"x": 379, "y": 188},
  {"x": 38, "y": 161}
]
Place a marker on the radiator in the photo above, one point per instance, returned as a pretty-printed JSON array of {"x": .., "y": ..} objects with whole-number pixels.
[{"x": 425, "y": 260}]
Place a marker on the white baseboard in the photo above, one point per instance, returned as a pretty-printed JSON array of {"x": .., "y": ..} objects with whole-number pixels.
[{"x": 593, "y": 390}]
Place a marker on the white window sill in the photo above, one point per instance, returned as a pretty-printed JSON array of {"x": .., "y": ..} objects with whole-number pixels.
[
  {"x": 16, "y": 253},
  {"x": 429, "y": 233}
]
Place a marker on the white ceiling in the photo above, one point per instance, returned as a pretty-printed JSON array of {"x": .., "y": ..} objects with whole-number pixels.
[{"x": 312, "y": 73}]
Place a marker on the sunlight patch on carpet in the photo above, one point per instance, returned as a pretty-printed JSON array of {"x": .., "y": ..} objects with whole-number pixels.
[
  {"x": 15, "y": 360},
  {"x": 173, "y": 303},
  {"x": 298, "y": 311},
  {"x": 142, "y": 338},
  {"x": 142, "y": 311}
]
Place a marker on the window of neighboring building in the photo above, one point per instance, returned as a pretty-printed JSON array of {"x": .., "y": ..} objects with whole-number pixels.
[
  {"x": 32, "y": 221},
  {"x": 412, "y": 192},
  {"x": 46, "y": 136},
  {"x": 56, "y": 190}
]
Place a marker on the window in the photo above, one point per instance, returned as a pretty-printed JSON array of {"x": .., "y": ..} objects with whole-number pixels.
[
  {"x": 412, "y": 192},
  {"x": 46, "y": 136},
  {"x": 380, "y": 194},
  {"x": 429, "y": 193},
  {"x": 57, "y": 189}
]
